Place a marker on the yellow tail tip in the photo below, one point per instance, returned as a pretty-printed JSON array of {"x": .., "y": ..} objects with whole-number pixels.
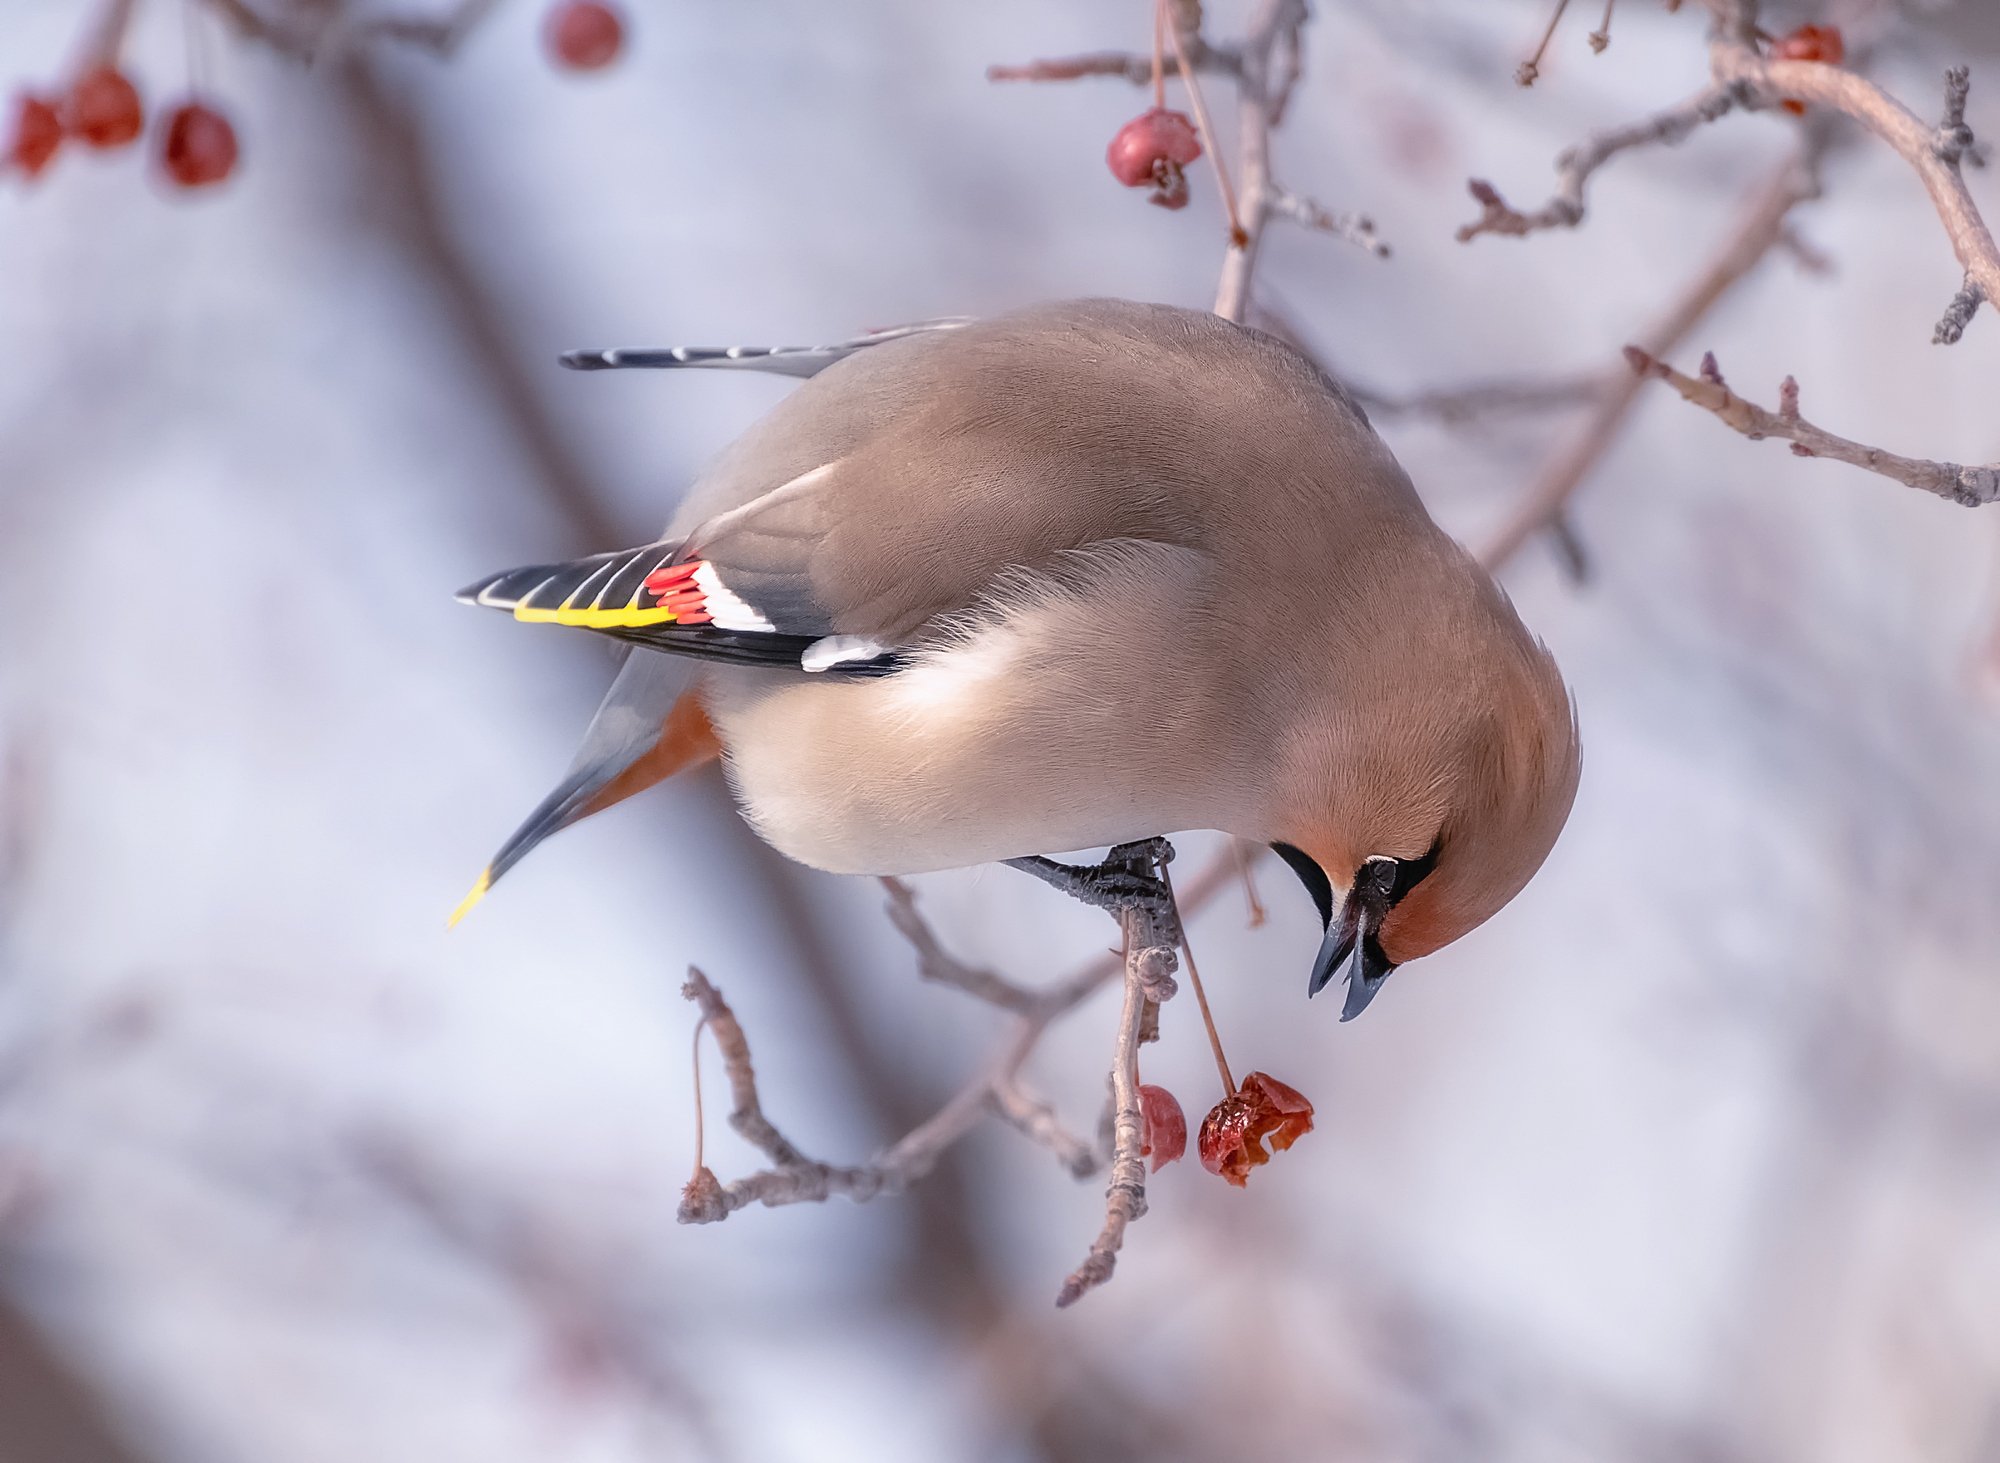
[{"x": 465, "y": 905}]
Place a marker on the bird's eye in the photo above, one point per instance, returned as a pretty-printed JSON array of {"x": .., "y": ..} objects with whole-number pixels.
[
  {"x": 1312, "y": 876},
  {"x": 1411, "y": 872}
]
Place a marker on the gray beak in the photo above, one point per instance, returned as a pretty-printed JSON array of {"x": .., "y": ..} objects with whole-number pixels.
[
  {"x": 1365, "y": 976},
  {"x": 1350, "y": 939}
]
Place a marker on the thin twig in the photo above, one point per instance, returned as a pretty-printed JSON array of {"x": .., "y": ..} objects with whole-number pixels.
[
  {"x": 1574, "y": 166},
  {"x": 1357, "y": 228},
  {"x": 1130, "y": 65},
  {"x": 1037, "y": 1120},
  {"x": 935, "y": 963},
  {"x": 1971, "y": 486},
  {"x": 1206, "y": 128}
]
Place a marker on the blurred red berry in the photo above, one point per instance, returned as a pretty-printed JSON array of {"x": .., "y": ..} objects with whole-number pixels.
[
  {"x": 1162, "y": 1126},
  {"x": 1822, "y": 43},
  {"x": 1154, "y": 149},
  {"x": 1811, "y": 43},
  {"x": 200, "y": 146},
  {"x": 38, "y": 132},
  {"x": 584, "y": 35},
  {"x": 104, "y": 108},
  {"x": 1235, "y": 1131}
]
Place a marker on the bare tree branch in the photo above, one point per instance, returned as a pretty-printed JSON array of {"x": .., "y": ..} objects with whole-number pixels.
[
  {"x": 1971, "y": 486},
  {"x": 1741, "y": 75},
  {"x": 794, "y": 1178},
  {"x": 1935, "y": 153},
  {"x": 1147, "y": 963}
]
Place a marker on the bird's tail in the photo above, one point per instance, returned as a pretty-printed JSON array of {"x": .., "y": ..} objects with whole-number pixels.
[
  {"x": 651, "y": 725},
  {"x": 777, "y": 360}
]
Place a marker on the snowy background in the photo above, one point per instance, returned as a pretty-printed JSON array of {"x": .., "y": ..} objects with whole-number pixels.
[{"x": 1690, "y": 1154}]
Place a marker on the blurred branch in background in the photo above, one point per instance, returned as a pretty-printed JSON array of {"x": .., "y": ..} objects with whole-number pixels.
[
  {"x": 1759, "y": 229},
  {"x": 312, "y": 30},
  {"x": 596, "y": 1335},
  {"x": 47, "y": 1415}
]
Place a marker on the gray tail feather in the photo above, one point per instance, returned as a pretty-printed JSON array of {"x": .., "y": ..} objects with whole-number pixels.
[
  {"x": 625, "y": 728},
  {"x": 777, "y": 360}
]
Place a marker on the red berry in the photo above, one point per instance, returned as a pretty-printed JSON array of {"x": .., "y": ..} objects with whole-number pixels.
[
  {"x": 1262, "y": 1110},
  {"x": 1821, "y": 43},
  {"x": 200, "y": 146},
  {"x": 584, "y": 35},
  {"x": 1162, "y": 1125},
  {"x": 104, "y": 108},
  {"x": 1152, "y": 150},
  {"x": 38, "y": 132}
]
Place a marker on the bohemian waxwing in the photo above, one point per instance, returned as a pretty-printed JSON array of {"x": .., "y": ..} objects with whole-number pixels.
[{"x": 1076, "y": 576}]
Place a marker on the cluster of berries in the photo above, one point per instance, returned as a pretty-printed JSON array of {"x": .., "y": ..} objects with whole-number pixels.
[
  {"x": 195, "y": 143},
  {"x": 1236, "y": 1131}
]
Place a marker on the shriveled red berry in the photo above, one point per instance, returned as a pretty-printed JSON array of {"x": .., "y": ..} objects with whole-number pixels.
[
  {"x": 104, "y": 108},
  {"x": 1154, "y": 149},
  {"x": 38, "y": 132},
  {"x": 1821, "y": 43},
  {"x": 583, "y": 35},
  {"x": 1234, "y": 1132},
  {"x": 199, "y": 148},
  {"x": 1162, "y": 1126}
]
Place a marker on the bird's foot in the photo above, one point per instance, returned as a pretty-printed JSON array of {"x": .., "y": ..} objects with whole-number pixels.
[{"x": 1131, "y": 877}]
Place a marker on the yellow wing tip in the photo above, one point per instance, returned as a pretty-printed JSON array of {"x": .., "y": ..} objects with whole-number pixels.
[
  {"x": 465, "y": 905},
  {"x": 619, "y": 618}
]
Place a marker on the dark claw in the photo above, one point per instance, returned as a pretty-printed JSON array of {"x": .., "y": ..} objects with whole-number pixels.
[{"x": 1128, "y": 877}]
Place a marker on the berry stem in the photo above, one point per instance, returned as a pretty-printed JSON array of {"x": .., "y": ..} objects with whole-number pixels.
[
  {"x": 1532, "y": 67},
  {"x": 1237, "y": 236},
  {"x": 700, "y": 1127},
  {"x": 1159, "y": 55},
  {"x": 107, "y": 37},
  {"x": 1201, "y": 1000}
]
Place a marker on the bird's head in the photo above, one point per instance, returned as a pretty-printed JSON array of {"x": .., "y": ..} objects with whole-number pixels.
[{"x": 1429, "y": 833}]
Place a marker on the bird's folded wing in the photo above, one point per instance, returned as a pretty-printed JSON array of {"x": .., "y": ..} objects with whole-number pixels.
[
  {"x": 932, "y": 472},
  {"x": 655, "y": 597}
]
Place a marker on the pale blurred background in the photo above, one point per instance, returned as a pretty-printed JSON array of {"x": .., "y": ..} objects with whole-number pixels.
[{"x": 1689, "y": 1154}]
